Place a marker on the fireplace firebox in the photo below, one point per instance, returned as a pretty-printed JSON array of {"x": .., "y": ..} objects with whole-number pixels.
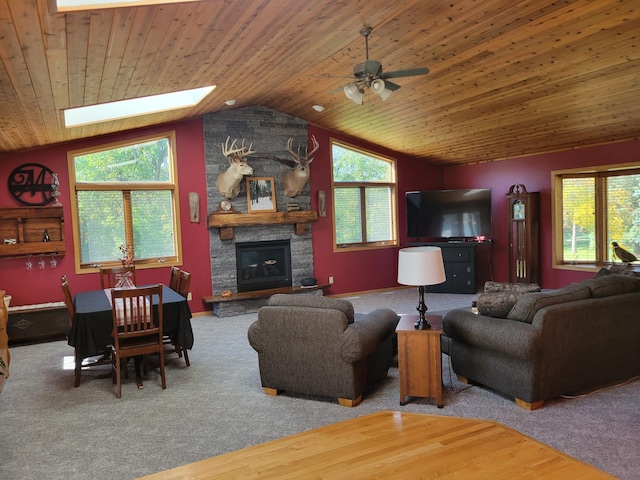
[{"x": 263, "y": 265}]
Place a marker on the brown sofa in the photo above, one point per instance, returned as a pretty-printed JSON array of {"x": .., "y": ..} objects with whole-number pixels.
[
  {"x": 313, "y": 345},
  {"x": 551, "y": 343}
]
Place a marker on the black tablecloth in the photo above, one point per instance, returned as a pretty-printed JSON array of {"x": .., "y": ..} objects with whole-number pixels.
[{"x": 93, "y": 324}]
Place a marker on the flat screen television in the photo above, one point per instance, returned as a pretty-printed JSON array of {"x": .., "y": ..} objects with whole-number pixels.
[{"x": 449, "y": 214}]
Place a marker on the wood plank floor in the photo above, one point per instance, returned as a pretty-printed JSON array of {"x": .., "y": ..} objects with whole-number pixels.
[{"x": 395, "y": 445}]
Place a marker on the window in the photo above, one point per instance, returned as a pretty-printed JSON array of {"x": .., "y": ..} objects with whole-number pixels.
[
  {"x": 593, "y": 209},
  {"x": 125, "y": 194},
  {"x": 364, "y": 198}
]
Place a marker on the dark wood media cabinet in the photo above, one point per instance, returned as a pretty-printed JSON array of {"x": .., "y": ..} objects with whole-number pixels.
[{"x": 459, "y": 265}]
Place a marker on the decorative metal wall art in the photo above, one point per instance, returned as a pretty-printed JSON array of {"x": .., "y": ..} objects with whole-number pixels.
[{"x": 30, "y": 184}]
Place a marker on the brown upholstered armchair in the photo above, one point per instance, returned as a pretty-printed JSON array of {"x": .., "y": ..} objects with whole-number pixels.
[{"x": 311, "y": 344}]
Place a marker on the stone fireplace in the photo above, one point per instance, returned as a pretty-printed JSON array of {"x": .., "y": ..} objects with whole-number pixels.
[{"x": 269, "y": 131}]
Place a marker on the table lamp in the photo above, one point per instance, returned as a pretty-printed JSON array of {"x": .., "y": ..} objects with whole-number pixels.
[{"x": 420, "y": 266}]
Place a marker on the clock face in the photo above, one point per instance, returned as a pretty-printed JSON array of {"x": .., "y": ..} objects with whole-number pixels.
[
  {"x": 225, "y": 205},
  {"x": 518, "y": 210}
]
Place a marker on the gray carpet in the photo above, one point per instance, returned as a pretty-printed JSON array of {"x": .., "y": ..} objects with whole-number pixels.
[{"x": 51, "y": 430}]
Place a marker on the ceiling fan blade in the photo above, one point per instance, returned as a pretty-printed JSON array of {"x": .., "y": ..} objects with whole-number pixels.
[
  {"x": 331, "y": 76},
  {"x": 405, "y": 73},
  {"x": 391, "y": 86}
]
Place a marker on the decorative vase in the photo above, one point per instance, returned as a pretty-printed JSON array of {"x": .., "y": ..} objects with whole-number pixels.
[
  {"x": 55, "y": 190},
  {"x": 123, "y": 280}
]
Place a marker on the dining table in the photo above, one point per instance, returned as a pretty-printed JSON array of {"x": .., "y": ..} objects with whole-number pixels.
[{"x": 92, "y": 328}]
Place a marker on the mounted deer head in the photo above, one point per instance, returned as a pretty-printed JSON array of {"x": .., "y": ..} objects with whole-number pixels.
[
  {"x": 228, "y": 182},
  {"x": 293, "y": 181}
]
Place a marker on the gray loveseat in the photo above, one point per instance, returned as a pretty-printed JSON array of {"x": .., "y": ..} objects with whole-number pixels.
[
  {"x": 567, "y": 341},
  {"x": 311, "y": 345}
]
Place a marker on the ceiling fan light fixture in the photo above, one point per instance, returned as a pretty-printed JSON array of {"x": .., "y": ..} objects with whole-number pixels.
[
  {"x": 379, "y": 87},
  {"x": 369, "y": 75},
  {"x": 353, "y": 93}
]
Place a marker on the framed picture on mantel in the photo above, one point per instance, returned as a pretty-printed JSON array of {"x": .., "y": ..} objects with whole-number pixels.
[{"x": 261, "y": 194}]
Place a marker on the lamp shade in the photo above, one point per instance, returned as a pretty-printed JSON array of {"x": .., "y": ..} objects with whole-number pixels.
[
  {"x": 379, "y": 87},
  {"x": 421, "y": 266},
  {"x": 353, "y": 93}
]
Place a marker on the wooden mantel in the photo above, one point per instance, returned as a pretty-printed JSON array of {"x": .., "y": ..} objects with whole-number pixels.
[{"x": 226, "y": 221}]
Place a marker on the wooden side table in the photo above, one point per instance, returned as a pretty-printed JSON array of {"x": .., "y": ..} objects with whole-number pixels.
[{"x": 420, "y": 359}]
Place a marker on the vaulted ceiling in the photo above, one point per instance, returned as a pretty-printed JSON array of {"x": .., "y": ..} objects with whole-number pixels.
[{"x": 507, "y": 77}]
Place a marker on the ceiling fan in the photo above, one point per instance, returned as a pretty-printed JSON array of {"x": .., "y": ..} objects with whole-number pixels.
[{"x": 370, "y": 75}]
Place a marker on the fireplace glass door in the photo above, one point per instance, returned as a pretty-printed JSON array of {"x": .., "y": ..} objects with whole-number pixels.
[{"x": 263, "y": 265}]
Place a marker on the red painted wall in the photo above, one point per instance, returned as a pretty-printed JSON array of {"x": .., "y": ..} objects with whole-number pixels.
[
  {"x": 352, "y": 271},
  {"x": 365, "y": 269},
  {"x": 535, "y": 173},
  {"x": 41, "y": 286}
]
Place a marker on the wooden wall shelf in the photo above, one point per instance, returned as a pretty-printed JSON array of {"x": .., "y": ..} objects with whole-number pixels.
[
  {"x": 227, "y": 221},
  {"x": 27, "y": 226}
]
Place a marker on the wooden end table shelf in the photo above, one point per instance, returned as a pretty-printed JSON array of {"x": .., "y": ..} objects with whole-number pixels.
[{"x": 420, "y": 359}]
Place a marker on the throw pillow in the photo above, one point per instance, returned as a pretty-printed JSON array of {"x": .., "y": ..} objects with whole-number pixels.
[
  {"x": 495, "y": 287},
  {"x": 623, "y": 270},
  {"x": 497, "y": 304},
  {"x": 528, "y": 305},
  {"x": 603, "y": 272},
  {"x": 613, "y": 284}
]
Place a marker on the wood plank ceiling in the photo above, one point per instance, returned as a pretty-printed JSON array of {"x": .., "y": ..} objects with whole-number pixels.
[{"x": 507, "y": 77}]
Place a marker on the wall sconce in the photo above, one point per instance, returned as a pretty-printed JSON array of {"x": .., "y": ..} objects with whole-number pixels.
[
  {"x": 322, "y": 203},
  {"x": 194, "y": 207}
]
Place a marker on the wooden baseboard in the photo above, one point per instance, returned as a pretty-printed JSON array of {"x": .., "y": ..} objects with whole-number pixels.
[{"x": 368, "y": 292}]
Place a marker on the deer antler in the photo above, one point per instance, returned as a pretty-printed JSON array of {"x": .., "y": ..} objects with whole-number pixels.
[
  {"x": 316, "y": 146},
  {"x": 226, "y": 150},
  {"x": 246, "y": 151},
  {"x": 297, "y": 157},
  {"x": 237, "y": 152}
]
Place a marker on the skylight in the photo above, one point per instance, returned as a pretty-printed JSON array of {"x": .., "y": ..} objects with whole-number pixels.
[
  {"x": 74, "y": 117},
  {"x": 74, "y": 5}
]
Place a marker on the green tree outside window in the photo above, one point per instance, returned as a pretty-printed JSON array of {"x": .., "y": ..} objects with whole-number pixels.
[
  {"x": 125, "y": 194},
  {"x": 596, "y": 208},
  {"x": 364, "y": 198}
]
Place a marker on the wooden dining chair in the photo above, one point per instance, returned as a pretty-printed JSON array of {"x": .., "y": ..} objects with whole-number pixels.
[
  {"x": 137, "y": 328},
  {"x": 109, "y": 276},
  {"x": 179, "y": 282},
  {"x": 174, "y": 278},
  {"x": 102, "y": 358}
]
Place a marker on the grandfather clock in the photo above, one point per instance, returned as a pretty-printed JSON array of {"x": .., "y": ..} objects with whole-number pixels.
[{"x": 524, "y": 256}]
